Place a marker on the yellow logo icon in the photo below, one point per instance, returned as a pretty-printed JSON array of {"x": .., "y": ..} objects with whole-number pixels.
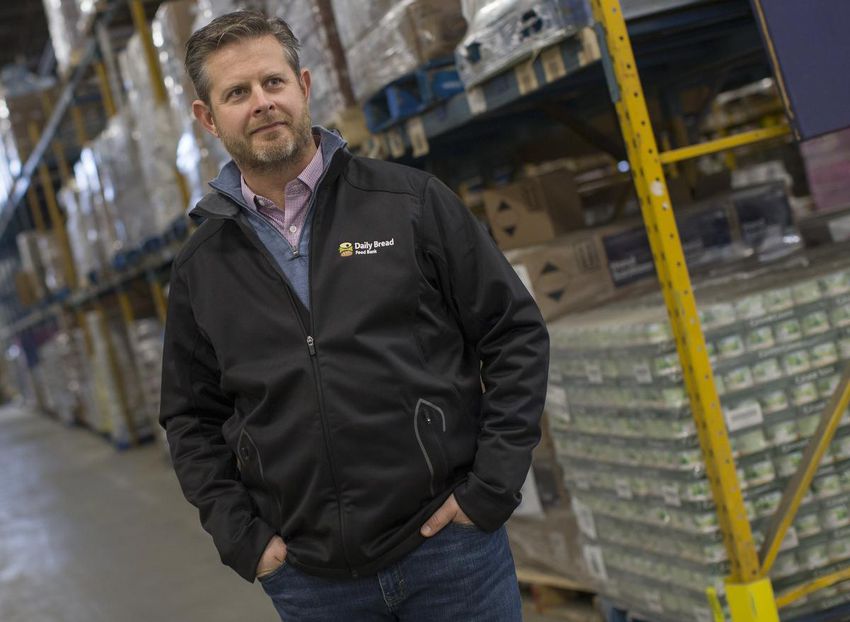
[{"x": 346, "y": 249}]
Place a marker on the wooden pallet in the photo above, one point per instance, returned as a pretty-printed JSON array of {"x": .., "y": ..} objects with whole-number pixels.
[{"x": 559, "y": 598}]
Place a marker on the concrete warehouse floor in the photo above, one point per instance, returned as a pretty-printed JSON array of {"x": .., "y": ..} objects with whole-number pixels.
[{"x": 88, "y": 534}]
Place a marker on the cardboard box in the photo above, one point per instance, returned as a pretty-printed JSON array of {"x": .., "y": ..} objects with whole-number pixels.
[
  {"x": 533, "y": 210},
  {"x": 567, "y": 274}
]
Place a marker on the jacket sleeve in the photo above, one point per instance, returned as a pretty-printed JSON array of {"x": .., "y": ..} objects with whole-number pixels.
[
  {"x": 193, "y": 409},
  {"x": 499, "y": 318}
]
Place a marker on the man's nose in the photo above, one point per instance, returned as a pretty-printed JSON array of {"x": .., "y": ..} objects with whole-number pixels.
[{"x": 261, "y": 102}]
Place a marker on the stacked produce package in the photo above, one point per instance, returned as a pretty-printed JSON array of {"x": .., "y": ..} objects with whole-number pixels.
[
  {"x": 502, "y": 32},
  {"x": 628, "y": 443},
  {"x": 387, "y": 40}
]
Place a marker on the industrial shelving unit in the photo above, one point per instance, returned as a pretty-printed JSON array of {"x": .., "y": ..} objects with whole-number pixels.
[{"x": 572, "y": 65}]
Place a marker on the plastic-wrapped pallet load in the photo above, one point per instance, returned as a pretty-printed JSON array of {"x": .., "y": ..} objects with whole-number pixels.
[
  {"x": 199, "y": 156},
  {"x": 153, "y": 129},
  {"x": 22, "y": 96},
  {"x": 119, "y": 200},
  {"x": 630, "y": 452},
  {"x": 147, "y": 343},
  {"x": 68, "y": 22},
  {"x": 411, "y": 34},
  {"x": 65, "y": 378},
  {"x": 354, "y": 20},
  {"x": 502, "y": 32},
  {"x": 31, "y": 267},
  {"x": 117, "y": 393},
  {"x": 331, "y": 92}
]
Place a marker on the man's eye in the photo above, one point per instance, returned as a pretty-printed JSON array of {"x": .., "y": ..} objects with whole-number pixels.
[
  {"x": 237, "y": 92},
  {"x": 275, "y": 82}
]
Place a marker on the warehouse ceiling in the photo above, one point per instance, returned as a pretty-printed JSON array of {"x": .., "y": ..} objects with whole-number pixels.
[
  {"x": 23, "y": 32},
  {"x": 25, "y": 38}
]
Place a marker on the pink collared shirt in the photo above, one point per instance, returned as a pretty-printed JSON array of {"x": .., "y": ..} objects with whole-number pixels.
[{"x": 290, "y": 220}]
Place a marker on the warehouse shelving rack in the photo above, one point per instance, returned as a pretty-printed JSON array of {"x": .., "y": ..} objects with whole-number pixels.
[
  {"x": 749, "y": 592},
  {"x": 113, "y": 293}
]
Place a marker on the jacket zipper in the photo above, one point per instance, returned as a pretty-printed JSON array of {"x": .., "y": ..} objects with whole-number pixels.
[{"x": 311, "y": 349}]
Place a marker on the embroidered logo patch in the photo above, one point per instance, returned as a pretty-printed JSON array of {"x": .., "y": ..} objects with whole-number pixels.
[{"x": 347, "y": 249}]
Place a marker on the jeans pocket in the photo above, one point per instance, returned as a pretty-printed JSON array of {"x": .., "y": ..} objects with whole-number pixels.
[{"x": 266, "y": 578}]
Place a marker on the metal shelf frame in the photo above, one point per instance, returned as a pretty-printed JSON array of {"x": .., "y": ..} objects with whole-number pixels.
[{"x": 749, "y": 591}]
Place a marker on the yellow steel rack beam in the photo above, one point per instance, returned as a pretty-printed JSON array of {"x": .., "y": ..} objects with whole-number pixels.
[
  {"x": 750, "y": 597},
  {"x": 796, "y": 489},
  {"x": 722, "y": 144},
  {"x": 786, "y": 598},
  {"x": 678, "y": 294}
]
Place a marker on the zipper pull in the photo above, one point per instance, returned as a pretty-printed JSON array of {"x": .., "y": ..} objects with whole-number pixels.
[{"x": 311, "y": 345}]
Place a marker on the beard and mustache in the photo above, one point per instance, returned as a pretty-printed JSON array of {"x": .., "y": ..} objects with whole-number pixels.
[{"x": 272, "y": 151}]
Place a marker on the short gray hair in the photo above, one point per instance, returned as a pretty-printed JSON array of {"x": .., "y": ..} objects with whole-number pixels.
[{"x": 230, "y": 28}]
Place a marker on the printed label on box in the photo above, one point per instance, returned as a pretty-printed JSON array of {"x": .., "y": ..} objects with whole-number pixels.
[
  {"x": 526, "y": 77},
  {"x": 745, "y": 416},
  {"x": 670, "y": 493},
  {"x": 642, "y": 372},
  {"x": 595, "y": 562},
  {"x": 396, "y": 143},
  {"x": 594, "y": 372},
  {"x": 553, "y": 64},
  {"x": 584, "y": 518},
  {"x": 623, "y": 488},
  {"x": 418, "y": 138}
]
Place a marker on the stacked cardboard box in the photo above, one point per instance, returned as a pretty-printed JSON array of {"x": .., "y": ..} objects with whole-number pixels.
[
  {"x": 584, "y": 268},
  {"x": 628, "y": 444}
]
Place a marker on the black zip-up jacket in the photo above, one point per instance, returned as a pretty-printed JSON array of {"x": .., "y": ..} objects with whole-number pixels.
[{"x": 419, "y": 370}]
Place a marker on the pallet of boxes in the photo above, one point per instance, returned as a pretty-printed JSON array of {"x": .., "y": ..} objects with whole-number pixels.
[{"x": 576, "y": 273}]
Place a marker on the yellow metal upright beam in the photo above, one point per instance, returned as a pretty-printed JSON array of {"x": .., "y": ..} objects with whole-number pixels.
[
  {"x": 57, "y": 221},
  {"x": 799, "y": 485},
  {"x": 648, "y": 175},
  {"x": 140, "y": 21}
]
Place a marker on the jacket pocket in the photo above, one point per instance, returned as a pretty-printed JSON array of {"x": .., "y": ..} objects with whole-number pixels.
[
  {"x": 251, "y": 468},
  {"x": 429, "y": 424}
]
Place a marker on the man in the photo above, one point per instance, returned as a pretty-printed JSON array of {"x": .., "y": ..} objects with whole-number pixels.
[{"x": 330, "y": 326}]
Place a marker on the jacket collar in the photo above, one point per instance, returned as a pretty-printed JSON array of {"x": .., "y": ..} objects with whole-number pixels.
[{"x": 227, "y": 199}]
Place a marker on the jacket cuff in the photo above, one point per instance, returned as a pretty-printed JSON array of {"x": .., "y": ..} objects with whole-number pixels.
[
  {"x": 485, "y": 505},
  {"x": 247, "y": 552}
]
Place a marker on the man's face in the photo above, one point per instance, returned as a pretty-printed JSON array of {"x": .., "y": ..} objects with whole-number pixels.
[{"x": 258, "y": 106}]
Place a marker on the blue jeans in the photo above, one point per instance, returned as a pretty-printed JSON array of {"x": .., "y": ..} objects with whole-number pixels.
[{"x": 460, "y": 574}]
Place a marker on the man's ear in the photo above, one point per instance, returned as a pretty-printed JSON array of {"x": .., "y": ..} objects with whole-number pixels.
[
  {"x": 305, "y": 81},
  {"x": 203, "y": 114}
]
